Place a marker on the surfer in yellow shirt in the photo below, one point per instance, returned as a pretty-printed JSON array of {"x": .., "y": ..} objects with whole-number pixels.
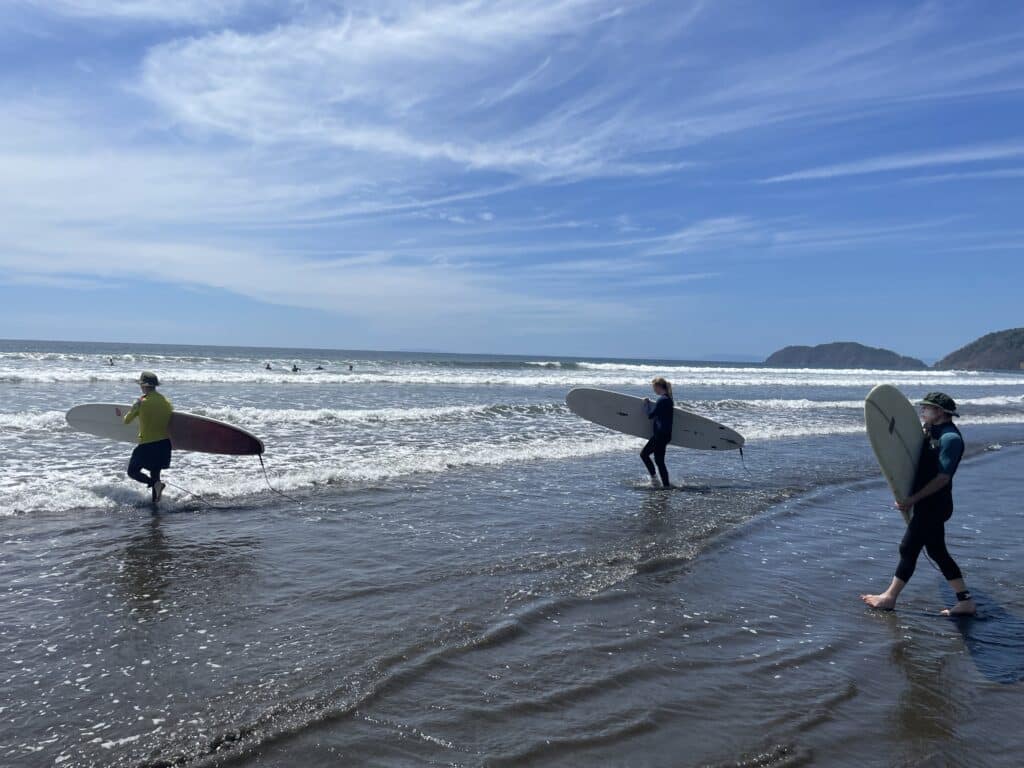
[{"x": 153, "y": 452}]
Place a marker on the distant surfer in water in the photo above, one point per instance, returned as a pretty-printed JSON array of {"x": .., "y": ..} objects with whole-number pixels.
[
  {"x": 932, "y": 502},
  {"x": 660, "y": 413},
  {"x": 153, "y": 452}
]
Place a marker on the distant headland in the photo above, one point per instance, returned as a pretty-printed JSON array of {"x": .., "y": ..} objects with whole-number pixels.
[
  {"x": 1001, "y": 350},
  {"x": 842, "y": 354}
]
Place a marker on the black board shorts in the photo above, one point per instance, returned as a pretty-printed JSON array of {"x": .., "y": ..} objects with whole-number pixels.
[{"x": 155, "y": 455}]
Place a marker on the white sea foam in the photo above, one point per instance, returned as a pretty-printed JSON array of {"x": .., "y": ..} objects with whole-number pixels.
[
  {"x": 776, "y": 404},
  {"x": 770, "y": 429},
  {"x": 218, "y": 477},
  {"x": 33, "y": 420},
  {"x": 314, "y": 436},
  {"x": 326, "y": 416},
  {"x": 803, "y": 404},
  {"x": 1002, "y": 418},
  {"x": 101, "y": 483},
  {"x": 994, "y": 400},
  {"x": 692, "y": 378}
]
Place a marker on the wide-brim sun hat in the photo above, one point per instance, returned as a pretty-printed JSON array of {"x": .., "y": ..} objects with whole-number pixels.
[{"x": 940, "y": 400}]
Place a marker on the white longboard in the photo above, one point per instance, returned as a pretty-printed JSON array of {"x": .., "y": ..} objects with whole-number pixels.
[
  {"x": 187, "y": 431},
  {"x": 625, "y": 413},
  {"x": 896, "y": 436}
]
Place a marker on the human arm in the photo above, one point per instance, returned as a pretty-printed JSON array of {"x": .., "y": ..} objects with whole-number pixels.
[
  {"x": 133, "y": 412},
  {"x": 934, "y": 485},
  {"x": 951, "y": 450}
]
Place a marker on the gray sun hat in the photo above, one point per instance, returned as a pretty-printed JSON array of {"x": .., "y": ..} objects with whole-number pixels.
[
  {"x": 148, "y": 379},
  {"x": 940, "y": 400}
]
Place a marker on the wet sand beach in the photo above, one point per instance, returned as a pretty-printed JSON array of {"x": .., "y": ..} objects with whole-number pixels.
[{"x": 235, "y": 636}]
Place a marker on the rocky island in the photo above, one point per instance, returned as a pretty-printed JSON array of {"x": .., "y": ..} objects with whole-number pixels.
[
  {"x": 1001, "y": 350},
  {"x": 842, "y": 354}
]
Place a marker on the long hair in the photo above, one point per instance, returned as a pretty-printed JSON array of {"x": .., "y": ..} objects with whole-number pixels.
[{"x": 661, "y": 381}]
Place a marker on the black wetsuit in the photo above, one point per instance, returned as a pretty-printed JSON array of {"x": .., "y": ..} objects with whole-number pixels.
[
  {"x": 927, "y": 528},
  {"x": 661, "y": 414}
]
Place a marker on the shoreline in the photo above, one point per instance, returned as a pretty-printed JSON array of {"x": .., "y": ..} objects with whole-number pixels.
[{"x": 537, "y": 611}]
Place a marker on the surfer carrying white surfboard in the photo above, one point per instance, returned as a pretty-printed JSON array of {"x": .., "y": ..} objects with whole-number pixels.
[
  {"x": 660, "y": 414},
  {"x": 153, "y": 452},
  {"x": 932, "y": 504}
]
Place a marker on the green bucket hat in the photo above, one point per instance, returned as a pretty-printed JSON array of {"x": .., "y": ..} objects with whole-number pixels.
[
  {"x": 941, "y": 401},
  {"x": 149, "y": 379}
]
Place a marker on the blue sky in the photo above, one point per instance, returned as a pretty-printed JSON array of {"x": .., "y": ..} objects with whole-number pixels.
[{"x": 572, "y": 177}]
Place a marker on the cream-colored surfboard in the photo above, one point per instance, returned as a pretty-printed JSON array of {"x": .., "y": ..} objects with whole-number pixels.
[
  {"x": 896, "y": 435},
  {"x": 625, "y": 413}
]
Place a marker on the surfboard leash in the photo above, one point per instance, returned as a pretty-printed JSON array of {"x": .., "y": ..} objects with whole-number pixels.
[
  {"x": 211, "y": 505},
  {"x": 266, "y": 477},
  {"x": 932, "y": 562},
  {"x": 194, "y": 495}
]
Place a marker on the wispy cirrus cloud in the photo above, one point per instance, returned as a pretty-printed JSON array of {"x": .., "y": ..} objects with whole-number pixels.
[
  {"x": 396, "y": 85},
  {"x": 987, "y": 175},
  {"x": 474, "y": 158},
  {"x": 174, "y": 11},
  {"x": 907, "y": 161},
  {"x": 431, "y": 296},
  {"x": 543, "y": 89}
]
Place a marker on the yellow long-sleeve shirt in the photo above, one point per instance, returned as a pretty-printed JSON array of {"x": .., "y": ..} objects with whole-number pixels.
[{"x": 154, "y": 413}]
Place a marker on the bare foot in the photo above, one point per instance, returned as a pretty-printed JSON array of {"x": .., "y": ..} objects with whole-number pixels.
[
  {"x": 882, "y": 602},
  {"x": 962, "y": 608}
]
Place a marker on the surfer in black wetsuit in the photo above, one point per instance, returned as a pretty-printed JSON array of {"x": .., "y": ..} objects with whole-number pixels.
[
  {"x": 660, "y": 413},
  {"x": 932, "y": 504}
]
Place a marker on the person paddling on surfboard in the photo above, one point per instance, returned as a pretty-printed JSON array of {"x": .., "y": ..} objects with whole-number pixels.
[
  {"x": 153, "y": 452},
  {"x": 932, "y": 502},
  {"x": 660, "y": 414}
]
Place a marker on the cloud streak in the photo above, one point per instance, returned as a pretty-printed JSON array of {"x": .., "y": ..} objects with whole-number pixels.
[
  {"x": 174, "y": 11},
  {"x": 906, "y": 161}
]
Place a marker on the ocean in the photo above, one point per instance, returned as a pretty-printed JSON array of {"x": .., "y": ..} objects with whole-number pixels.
[{"x": 444, "y": 566}]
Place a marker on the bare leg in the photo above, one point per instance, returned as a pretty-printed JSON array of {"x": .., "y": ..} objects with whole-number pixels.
[
  {"x": 886, "y": 601},
  {"x": 963, "y": 607}
]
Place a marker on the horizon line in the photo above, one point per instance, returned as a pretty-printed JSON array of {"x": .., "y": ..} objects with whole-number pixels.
[{"x": 523, "y": 355}]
